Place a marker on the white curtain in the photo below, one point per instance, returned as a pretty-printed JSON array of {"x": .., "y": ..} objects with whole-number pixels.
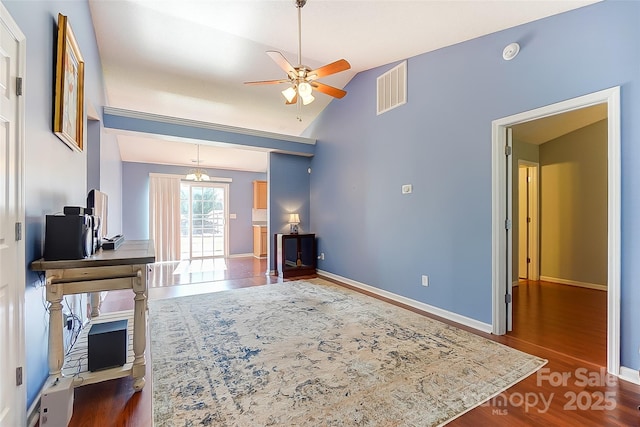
[{"x": 164, "y": 216}]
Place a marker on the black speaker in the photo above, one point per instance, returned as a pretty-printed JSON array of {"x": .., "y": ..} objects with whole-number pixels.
[
  {"x": 67, "y": 237},
  {"x": 107, "y": 345}
]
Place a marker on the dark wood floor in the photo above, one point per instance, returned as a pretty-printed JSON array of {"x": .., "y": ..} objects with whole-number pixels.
[
  {"x": 572, "y": 316},
  {"x": 587, "y": 396}
]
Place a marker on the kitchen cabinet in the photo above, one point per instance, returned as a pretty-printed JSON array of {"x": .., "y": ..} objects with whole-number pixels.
[
  {"x": 259, "y": 194},
  {"x": 260, "y": 241}
]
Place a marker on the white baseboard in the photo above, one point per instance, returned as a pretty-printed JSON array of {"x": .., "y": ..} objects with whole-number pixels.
[
  {"x": 240, "y": 255},
  {"x": 629, "y": 374},
  {"x": 454, "y": 317},
  {"x": 574, "y": 283}
]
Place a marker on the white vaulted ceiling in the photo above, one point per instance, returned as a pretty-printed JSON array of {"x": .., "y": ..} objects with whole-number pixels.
[{"x": 189, "y": 58}]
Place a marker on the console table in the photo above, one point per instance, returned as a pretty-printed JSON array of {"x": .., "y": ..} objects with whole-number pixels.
[{"x": 123, "y": 268}]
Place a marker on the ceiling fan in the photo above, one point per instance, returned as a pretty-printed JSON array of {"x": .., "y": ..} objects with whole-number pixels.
[{"x": 302, "y": 79}]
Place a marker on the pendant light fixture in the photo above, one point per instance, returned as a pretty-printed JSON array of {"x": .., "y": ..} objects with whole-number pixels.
[{"x": 197, "y": 174}]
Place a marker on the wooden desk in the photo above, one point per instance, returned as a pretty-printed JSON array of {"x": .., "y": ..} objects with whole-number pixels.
[{"x": 123, "y": 268}]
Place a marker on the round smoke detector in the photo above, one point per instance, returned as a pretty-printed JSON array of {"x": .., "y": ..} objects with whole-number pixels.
[{"x": 510, "y": 51}]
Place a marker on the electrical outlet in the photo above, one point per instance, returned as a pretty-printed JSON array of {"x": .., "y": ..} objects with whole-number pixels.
[
  {"x": 321, "y": 256},
  {"x": 425, "y": 280},
  {"x": 407, "y": 188}
]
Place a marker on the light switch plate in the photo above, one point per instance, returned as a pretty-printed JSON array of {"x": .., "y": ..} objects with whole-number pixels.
[
  {"x": 232, "y": 216},
  {"x": 407, "y": 188}
]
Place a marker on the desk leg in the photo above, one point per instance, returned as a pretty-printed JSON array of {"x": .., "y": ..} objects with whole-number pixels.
[
  {"x": 56, "y": 350},
  {"x": 95, "y": 304},
  {"x": 139, "y": 329}
]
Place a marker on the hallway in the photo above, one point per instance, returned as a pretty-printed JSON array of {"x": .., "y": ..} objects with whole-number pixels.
[{"x": 567, "y": 319}]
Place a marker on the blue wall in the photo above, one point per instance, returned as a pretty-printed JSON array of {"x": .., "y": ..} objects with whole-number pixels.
[
  {"x": 288, "y": 192},
  {"x": 55, "y": 175},
  {"x": 135, "y": 201},
  {"x": 440, "y": 142}
]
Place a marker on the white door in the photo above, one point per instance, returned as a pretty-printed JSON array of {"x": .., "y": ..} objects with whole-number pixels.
[
  {"x": 528, "y": 228},
  {"x": 523, "y": 223},
  {"x": 203, "y": 220},
  {"x": 12, "y": 388}
]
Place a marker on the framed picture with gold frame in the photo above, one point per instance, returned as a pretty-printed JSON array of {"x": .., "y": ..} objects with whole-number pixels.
[{"x": 68, "y": 117}]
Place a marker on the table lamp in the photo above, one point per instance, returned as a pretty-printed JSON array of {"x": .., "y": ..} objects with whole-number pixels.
[{"x": 294, "y": 220}]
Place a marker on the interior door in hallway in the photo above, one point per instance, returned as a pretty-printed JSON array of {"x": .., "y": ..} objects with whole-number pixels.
[
  {"x": 203, "y": 220},
  {"x": 12, "y": 388},
  {"x": 528, "y": 228}
]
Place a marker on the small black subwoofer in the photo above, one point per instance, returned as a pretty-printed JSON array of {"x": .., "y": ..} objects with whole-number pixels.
[{"x": 107, "y": 344}]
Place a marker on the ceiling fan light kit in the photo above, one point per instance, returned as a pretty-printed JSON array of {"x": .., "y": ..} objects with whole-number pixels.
[{"x": 302, "y": 79}]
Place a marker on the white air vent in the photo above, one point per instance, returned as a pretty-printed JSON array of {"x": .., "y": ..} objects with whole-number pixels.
[{"x": 392, "y": 88}]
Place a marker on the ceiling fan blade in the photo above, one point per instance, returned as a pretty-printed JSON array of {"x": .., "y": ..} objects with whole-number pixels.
[
  {"x": 334, "y": 67},
  {"x": 328, "y": 90},
  {"x": 268, "y": 82},
  {"x": 279, "y": 59}
]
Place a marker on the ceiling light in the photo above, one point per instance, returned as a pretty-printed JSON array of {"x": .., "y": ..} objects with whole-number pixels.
[
  {"x": 197, "y": 174},
  {"x": 304, "y": 89},
  {"x": 289, "y": 93},
  {"x": 307, "y": 99}
]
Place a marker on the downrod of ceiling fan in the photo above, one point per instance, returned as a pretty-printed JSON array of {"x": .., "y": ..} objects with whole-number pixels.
[{"x": 299, "y": 5}]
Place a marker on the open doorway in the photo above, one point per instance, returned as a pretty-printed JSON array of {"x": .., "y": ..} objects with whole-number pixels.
[
  {"x": 503, "y": 206},
  {"x": 560, "y": 273}
]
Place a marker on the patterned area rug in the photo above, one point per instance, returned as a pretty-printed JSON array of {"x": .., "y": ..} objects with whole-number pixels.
[{"x": 317, "y": 354}]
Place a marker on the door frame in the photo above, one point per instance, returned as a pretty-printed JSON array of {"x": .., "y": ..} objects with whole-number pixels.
[
  {"x": 533, "y": 203},
  {"x": 501, "y": 204},
  {"x": 18, "y": 347}
]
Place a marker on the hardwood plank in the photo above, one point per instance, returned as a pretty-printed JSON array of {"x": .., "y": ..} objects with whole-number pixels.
[{"x": 113, "y": 403}]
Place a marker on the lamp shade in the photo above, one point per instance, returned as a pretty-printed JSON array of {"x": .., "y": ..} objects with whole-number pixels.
[
  {"x": 294, "y": 218},
  {"x": 289, "y": 93},
  {"x": 304, "y": 89},
  {"x": 307, "y": 99}
]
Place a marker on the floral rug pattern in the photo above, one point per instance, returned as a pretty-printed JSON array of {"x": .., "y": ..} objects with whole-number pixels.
[{"x": 316, "y": 354}]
